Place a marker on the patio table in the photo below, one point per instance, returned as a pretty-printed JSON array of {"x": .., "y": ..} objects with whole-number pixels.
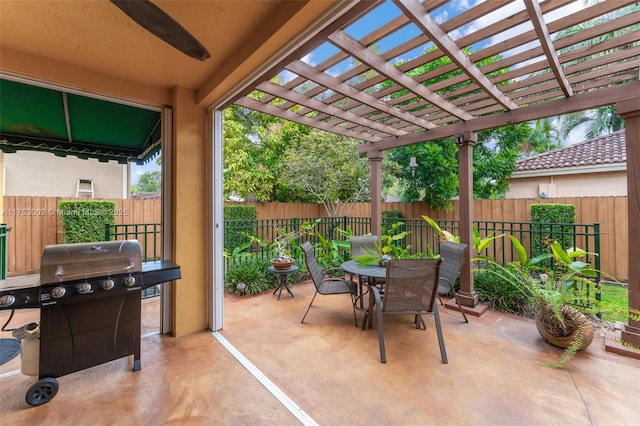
[
  {"x": 282, "y": 274},
  {"x": 372, "y": 271}
]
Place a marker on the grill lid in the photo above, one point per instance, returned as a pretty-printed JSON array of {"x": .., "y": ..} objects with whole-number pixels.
[{"x": 66, "y": 262}]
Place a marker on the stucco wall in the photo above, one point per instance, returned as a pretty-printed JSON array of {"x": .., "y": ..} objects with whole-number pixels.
[
  {"x": 189, "y": 213},
  {"x": 579, "y": 185},
  {"x": 33, "y": 173}
]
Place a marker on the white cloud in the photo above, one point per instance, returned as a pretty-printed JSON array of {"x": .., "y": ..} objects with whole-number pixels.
[
  {"x": 287, "y": 76},
  {"x": 507, "y": 11},
  {"x": 308, "y": 59},
  {"x": 578, "y": 134}
]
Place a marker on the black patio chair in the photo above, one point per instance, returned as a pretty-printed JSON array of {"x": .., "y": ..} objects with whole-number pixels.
[
  {"x": 410, "y": 289},
  {"x": 327, "y": 285},
  {"x": 452, "y": 255},
  {"x": 363, "y": 244}
]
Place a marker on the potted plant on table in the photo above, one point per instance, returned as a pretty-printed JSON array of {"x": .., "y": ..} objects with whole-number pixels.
[
  {"x": 564, "y": 316},
  {"x": 282, "y": 246}
]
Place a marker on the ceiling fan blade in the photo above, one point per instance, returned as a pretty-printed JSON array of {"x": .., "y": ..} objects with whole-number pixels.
[{"x": 159, "y": 23}]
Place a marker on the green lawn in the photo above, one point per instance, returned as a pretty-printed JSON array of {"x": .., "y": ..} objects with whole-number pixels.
[{"x": 615, "y": 297}]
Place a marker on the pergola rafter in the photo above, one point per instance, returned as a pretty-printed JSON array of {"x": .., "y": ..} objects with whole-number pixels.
[
  {"x": 547, "y": 46},
  {"x": 363, "y": 54},
  {"x": 300, "y": 68},
  {"x": 439, "y": 37},
  {"x": 493, "y": 67}
]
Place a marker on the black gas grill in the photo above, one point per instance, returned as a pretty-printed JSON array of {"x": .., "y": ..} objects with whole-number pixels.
[{"x": 90, "y": 306}]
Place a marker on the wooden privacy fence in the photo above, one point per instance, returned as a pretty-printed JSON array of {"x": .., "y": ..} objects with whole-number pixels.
[
  {"x": 34, "y": 222},
  {"x": 609, "y": 212}
]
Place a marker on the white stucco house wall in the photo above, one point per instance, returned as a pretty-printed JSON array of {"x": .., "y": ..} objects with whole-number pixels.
[
  {"x": 34, "y": 173},
  {"x": 593, "y": 168}
]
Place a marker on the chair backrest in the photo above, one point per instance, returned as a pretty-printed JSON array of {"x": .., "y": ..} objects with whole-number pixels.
[
  {"x": 452, "y": 255},
  {"x": 411, "y": 285},
  {"x": 361, "y": 243},
  {"x": 312, "y": 265}
]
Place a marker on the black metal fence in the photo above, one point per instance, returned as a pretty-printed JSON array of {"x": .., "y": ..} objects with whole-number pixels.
[
  {"x": 149, "y": 236},
  {"x": 420, "y": 238},
  {"x": 4, "y": 228}
]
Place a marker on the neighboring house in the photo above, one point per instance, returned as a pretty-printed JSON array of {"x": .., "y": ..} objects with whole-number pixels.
[
  {"x": 34, "y": 173},
  {"x": 596, "y": 167}
]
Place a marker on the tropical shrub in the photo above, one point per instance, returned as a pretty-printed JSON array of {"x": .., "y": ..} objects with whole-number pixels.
[
  {"x": 500, "y": 294},
  {"x": 252, "y": 272}
]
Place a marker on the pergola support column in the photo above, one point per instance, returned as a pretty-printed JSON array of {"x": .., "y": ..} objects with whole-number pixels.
[
  {"x": 630, "y": 111},
  {"x": 465, "y": 141},
  {"x": 376, "y": 157}
]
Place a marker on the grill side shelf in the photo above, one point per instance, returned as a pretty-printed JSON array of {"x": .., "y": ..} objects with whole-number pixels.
[{"x": 159, "y": 272}]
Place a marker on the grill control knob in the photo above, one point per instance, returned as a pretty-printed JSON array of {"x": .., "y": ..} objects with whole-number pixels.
[
  {"x": 58, "y": 292},
  {"x": 130, "y": 281},
  {"x": 108, "y": 284},
  {"x": 84, "y": 288},
  {"x": 7, "y": 300}
]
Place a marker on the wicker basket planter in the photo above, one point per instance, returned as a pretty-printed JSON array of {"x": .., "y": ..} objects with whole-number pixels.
[{"x": 565, "y": 341}]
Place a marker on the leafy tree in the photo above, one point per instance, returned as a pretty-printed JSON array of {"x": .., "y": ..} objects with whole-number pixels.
[
  {"x": 277, "y": 141},
  {"x": 244, "y": 174},
  {"x": 544, "y": 137},
  {"x": 277, "y": 160},
  {"x": 326, "y": 168},
  {"x": 494, "y": 158},
  {"x": 149, "y": 182},
  {"x": 435, "y": 178},
  {"x": 599, "y": 122}
]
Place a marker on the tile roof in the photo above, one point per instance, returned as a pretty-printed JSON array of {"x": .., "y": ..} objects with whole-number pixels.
[{"x": 607, "y": 149}]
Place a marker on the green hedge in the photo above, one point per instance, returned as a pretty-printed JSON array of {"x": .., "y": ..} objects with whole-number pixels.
[
  {"x": 84, "y": 221},
  {"x": 247, "y": 215},
  {"x": 544, "y": 218}
]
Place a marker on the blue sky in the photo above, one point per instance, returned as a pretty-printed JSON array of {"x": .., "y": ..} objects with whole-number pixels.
[
  {"x": 138, "y": 170},
  {"x": 388, "y": 11}
]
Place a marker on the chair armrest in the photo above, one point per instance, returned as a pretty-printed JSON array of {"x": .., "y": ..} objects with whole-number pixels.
[
  {"x": 325, "y": 272},
  {"x": 333, "y": 279}
]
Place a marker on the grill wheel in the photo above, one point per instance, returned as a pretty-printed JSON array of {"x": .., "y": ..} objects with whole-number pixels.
[{"x": 42, "y": 391}]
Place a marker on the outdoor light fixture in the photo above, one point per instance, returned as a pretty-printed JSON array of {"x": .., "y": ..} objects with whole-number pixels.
[{"x": 412, "y": 165}]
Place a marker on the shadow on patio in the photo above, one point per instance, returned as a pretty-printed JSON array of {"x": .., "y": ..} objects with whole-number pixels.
[{"x": 332, "y": 371}]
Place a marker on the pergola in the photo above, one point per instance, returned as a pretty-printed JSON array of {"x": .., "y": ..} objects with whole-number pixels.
[
  {"x": 363, "y": 69},
  {"x": 500, "y": 62}
]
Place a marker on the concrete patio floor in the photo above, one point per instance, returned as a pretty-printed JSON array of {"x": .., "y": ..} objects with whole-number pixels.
[{"x": 331, "y": 370}]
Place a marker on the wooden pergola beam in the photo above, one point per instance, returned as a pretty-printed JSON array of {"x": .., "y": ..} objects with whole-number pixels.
[
  {"x": 429, "y": 26},
  {"x": 314, "y": 104},
  {"x": 533, "y": 7},
  {"x": 578, "y": 102},
  {"x": 300, "y": 68},
  {"x": 365, "y": 55},
  {"x": 301, "y": 119}
]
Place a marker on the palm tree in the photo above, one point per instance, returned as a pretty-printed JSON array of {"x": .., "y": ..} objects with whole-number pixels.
[
  {"x": 599, "y": 122},
  {"x": 604, "y": 119}
]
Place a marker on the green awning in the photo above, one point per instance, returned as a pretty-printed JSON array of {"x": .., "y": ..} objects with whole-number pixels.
[{"x": 44, "y": 119}]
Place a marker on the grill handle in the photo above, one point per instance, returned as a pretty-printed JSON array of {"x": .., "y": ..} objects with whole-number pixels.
[{"x": 59, "y": 274}]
